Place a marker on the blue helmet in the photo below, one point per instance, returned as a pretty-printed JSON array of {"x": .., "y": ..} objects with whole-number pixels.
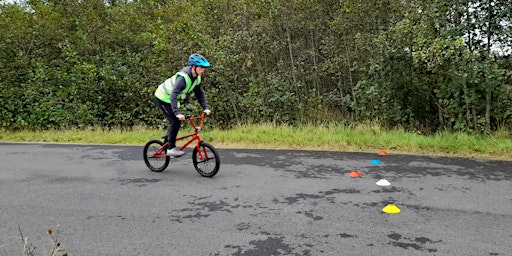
[{"x": 198, "y": 60}]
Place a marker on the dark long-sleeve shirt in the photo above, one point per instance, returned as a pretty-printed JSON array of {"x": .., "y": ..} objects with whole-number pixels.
[{"x": 180, "y": 85}]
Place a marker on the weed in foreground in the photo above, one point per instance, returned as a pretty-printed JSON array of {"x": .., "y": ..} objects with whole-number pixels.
[{"x": 55, "y": 248}]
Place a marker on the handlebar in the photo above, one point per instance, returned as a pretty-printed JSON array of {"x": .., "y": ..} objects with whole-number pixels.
[
  {"x": 191, "y": 120},
  {"x": 202, "y": 116}
]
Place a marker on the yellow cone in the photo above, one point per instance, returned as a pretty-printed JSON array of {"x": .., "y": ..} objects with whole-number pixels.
[{"x": 391, "y": 209}]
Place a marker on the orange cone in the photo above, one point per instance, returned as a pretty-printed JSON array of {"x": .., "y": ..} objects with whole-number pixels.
[
  {"x": 355, "y": 174},
  {"x": 383, "y": 153}
]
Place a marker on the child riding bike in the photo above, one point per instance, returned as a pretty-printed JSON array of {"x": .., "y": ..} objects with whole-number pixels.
[{"x": 173, "y": 91}]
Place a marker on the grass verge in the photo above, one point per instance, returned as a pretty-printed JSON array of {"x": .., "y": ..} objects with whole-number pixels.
[{"x": 358, "y": 138}]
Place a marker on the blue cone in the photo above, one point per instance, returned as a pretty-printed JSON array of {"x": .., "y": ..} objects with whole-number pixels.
[{"x": 376, "y": 162}]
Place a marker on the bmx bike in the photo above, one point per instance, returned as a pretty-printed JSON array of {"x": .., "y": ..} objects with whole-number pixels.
[{"x": 205, "y": 157}]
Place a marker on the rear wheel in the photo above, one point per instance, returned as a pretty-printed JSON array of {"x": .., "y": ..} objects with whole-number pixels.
[
  {"x": 209, "y": 165},
  {"x": 155, "y": 162}
]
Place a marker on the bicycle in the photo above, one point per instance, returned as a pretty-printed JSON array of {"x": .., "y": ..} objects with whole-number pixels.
[{"x": 205, "y": 157}]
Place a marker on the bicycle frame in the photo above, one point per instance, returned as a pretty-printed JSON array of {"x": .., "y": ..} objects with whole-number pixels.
[{"x": 195, "y": 137}]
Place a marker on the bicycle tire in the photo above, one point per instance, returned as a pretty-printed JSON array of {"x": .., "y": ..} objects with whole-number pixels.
[
  {"x": 157, "y": 164},
  {"x": 210, "y": 164}
]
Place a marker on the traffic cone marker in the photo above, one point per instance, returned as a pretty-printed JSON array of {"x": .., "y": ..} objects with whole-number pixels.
[
  {"x": 355, "y": 174},
  {"x": 383, "y": 153},
  {"x": 391, "y": 209},
  {"x": 383, "y": 183},
  {"x": 375, "y": 162}
]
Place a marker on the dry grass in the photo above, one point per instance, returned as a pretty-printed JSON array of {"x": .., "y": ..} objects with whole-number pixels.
[{"x": 327, "y": 137}]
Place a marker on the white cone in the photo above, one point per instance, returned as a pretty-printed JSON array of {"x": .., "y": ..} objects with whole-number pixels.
[{"x": 383, "y": 183}]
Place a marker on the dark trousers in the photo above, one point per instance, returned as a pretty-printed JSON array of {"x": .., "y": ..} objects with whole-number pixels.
[{"x": 174, "y": 122}]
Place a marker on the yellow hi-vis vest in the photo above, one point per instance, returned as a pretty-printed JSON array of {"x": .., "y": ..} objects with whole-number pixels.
[{"x": 163, "y": 92}]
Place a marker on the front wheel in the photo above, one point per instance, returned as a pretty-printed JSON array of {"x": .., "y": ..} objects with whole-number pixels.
[
  {"x": 155, "y": 162},
  {"x": 207, "y": 160}
]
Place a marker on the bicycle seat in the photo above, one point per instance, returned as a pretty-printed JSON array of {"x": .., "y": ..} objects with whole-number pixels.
[{"x": 165, "y": 136}]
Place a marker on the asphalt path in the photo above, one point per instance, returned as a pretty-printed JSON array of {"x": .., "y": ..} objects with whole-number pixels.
[{"x": 105, "y": 201}]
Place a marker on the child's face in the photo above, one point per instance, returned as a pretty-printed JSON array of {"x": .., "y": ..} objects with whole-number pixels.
[{"x": 200, "y": 71}]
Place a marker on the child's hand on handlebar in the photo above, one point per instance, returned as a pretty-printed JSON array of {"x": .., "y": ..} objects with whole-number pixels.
[
  {"x": 180, "y": 117},
  {"x": 207, "y": 112}
]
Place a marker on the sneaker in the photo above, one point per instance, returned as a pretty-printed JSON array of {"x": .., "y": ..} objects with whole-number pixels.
[{"x": 175, "y": 152}]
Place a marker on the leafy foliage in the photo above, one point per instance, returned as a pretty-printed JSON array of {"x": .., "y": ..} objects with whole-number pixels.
[{"x": 424, "y": 65}]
